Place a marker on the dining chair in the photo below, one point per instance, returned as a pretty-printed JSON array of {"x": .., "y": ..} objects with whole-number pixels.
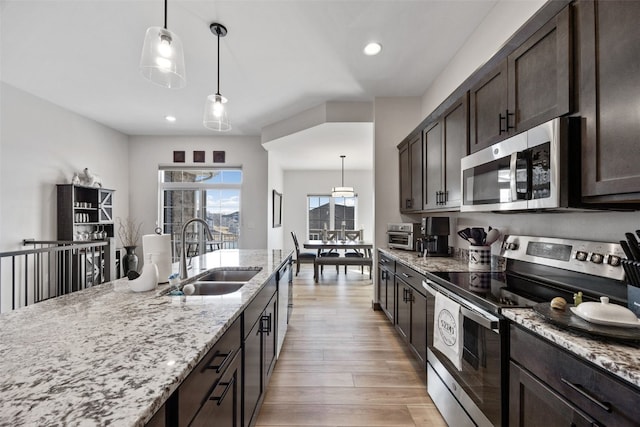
[{"x": 302, "y": 257}]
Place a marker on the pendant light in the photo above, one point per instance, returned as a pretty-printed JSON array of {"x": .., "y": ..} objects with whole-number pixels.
[
  {"x": 215, "y": 112},
  {"x": 342, "y": 191},
  {"x": 162, "y": 59}
]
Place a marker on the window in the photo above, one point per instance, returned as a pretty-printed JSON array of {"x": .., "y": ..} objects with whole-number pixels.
[
  {"x": 210, "y": 194},
  {"x": 325, "y": 211}
]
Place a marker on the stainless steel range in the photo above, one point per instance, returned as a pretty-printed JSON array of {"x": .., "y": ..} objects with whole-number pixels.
[{"x": 474, "y": 389}]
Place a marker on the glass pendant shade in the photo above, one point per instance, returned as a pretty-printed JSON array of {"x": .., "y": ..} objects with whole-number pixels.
[
  {"x": 215, "y": 113},
  {"x": 342, "y": 192},
  {"x": 162, "y": 60}
]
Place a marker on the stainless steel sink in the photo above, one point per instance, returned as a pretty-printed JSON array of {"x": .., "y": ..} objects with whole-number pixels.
[
  {"x": 229, "y": 275},
  {"x": 216, "y": 288}
]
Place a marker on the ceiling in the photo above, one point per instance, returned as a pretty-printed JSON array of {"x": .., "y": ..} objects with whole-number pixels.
[{"x": 278, "y": 59}]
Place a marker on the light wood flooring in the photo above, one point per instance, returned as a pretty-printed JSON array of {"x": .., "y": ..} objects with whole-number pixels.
[{"x": 343, "y": 364}]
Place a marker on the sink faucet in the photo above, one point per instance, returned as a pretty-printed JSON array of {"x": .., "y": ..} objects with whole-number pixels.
[{"x": 183, "y": 252}]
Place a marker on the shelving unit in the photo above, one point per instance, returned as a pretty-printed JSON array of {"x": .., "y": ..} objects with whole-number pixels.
[{"x": 84, "y": 210}]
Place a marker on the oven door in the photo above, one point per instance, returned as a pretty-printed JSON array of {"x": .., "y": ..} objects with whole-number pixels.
[
  {"x": 400, "y": 240},
  {"x": 477, "y": 387},
  {"x": 496, "y": 178}
]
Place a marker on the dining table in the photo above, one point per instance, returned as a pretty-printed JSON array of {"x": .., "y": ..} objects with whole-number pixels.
[{"x": 365, "y": 258}]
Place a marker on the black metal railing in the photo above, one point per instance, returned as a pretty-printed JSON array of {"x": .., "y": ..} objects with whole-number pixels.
[{"x": 49, "y": 269}]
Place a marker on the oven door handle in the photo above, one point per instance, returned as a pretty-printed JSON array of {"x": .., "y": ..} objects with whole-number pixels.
[
  {"x": 513, "y": 164},
  {"x": 479, "y": 319}
]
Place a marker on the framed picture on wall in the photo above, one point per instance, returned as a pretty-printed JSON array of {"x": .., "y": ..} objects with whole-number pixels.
[{"x": 277, "y": 209}]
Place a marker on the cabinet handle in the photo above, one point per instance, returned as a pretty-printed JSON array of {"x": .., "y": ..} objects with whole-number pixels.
[
  {"x": 218, "y": 368},
  {"x": 507, "y": 119},
  {"x": 405, "y": 275},
  {"x": 266, "y": 319},
  {"x": 501, "y": 130},
  {"x": 445, "y": 195},
  {"x": 408, "y": 203},
  {"x": 577, "y": 387},
  {"x": 224, "y": 392}
]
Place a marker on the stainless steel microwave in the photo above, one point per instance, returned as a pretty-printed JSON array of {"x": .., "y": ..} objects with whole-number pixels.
[{"x": 536, "y": 169}]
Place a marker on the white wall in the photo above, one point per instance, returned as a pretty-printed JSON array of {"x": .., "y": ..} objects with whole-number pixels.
[
  {"x": 394, "y": 119},
  {"x": 147, "y": 153},
  {"x": 43, "y": 145},
  {"x": 492, "y": 33},
  {"x": 275, "y": 236},
  {"x": 299, "y": 184}
]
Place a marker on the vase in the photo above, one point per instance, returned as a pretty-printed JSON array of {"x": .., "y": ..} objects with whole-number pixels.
[{"x": 130, "y": 260}]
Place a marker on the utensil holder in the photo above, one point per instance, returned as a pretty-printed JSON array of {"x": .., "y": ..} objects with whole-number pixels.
[{"x": 480, "y": 258}]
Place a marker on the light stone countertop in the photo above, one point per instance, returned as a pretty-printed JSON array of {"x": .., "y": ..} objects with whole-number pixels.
[
  {"x": 619, "y": 358},
  {"x": 107, "y": 355},
  {"x": 425, "y": 265}
]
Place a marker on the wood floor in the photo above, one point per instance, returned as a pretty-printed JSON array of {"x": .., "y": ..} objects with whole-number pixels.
[{"x": 342, "y": 364}]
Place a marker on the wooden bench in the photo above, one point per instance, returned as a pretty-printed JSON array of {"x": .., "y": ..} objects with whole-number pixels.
[{"x": 342, "y": 260}]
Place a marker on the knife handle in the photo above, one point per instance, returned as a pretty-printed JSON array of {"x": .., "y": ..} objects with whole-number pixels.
[
  {"x": 626, "y": 249},
  {"x": 633, "y": 245}
]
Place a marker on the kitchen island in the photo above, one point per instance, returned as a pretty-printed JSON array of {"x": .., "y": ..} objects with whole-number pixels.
[{"x": 106, "y": 355}]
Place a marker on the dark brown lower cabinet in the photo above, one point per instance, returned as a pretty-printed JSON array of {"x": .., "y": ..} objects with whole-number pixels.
[
  {"x": 551, "y": 387},
  {"x": 411, "y": 312},
  {"x": 260, "y": 346},
  {"x": 532, "y": 403}
]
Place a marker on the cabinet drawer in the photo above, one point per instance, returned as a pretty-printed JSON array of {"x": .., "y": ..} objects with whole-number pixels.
[
  {"x": 254, "y": 310},
  {"x": 386, "y": 262},
  {"x": 608, "y": 400},
  {"x": 411, "y": 277},
  {"x": 195, "y": 390}
]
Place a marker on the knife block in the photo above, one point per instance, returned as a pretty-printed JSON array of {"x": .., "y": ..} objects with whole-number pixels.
[{"x": 633, "y": 299}]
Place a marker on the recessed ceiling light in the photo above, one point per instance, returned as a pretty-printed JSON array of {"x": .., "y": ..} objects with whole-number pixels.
[
  {"x": 170, "y": 119},
  {"x": 372, "y": 49}
]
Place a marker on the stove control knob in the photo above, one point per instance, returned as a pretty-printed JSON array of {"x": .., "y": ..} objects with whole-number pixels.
[
  {"x": 596, "y": 258},
  {"x": 512, "y": 246},
  {"x": 581, "y": 256},
  {"x": 614, "y": 260}
]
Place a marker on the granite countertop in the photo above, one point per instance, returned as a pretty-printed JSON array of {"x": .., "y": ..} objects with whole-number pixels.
[
  {"x": 425, "y": 265},
  {"x": 618, "y": 358},
  {"x": 107, "y": 355}
]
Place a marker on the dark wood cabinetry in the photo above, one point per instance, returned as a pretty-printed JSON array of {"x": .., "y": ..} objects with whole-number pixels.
[
  {"x": 213, "y": 389},
  {"x": 260, "y": 344},
  {"x": 532, "y": 85},
  {"x": 84, "y": 210},
  {"x": 411, "y": 312},
  {"x": 549, "y": 386},
  {"x": 445, "y": 143},
  {"x": 386, "y": 293},
  {"x": 410, "y": 155},
  {"x": 609, "y": 64}
]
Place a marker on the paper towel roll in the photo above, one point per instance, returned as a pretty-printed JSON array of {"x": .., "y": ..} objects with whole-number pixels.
[{"x": 159, "y": 246}]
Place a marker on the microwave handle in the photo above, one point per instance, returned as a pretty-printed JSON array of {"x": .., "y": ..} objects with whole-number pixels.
[{"x": 512, "y": 176}]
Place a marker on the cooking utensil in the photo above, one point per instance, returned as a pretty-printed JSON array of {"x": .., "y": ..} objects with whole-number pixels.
[
  {"x": 633, "y": 245},
  {"x": 465, "y": 233},
  {"x": 638, "y": 233},
  {"x": 492, "y": 236},
  {"x": 479, "y": 235}
]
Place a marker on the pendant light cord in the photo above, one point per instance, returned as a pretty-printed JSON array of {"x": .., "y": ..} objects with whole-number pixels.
[
  {"x": 165, "y": 14},
  {"x": 218, "y": 34}
]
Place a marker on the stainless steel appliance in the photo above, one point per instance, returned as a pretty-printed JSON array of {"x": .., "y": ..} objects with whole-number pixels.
[
  {"x": 403, "y": 235},
  {"x": 435, "y": 236},
  {"x": 536, "y": 169},
  {"x": 537, "y": 270}
]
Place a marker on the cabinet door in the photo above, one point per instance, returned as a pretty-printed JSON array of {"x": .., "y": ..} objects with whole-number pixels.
[
  {"x": 433, "y": 165},
  {"x": 223, "y": 406},
  {"x": 403, "y": 314},
  {"x": 540, "y": 75},
  {"x": 270, "y": 339},
  {"x": 415, "y": 146},
  {"x": 405, "y": 178},
  {"x": 455, "y": 139},
  {"x": 386, "y": 292},
  {"x": 487, "y": 105},
  {"x": 390, "y": 307},
  {"x": 532, "y": 403},
  {"x": 252, "y": 371},
  {"x": 609, "y": 58},
  {"x": 419, "y": 325}
]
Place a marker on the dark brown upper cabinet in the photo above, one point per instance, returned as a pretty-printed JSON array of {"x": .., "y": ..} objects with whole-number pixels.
[
  {"x": 608, "y": 40},
  {"x": 532, "y": 85},
  {"x": 410, "y": 154},
  {"x": 445, "y": 143}
]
